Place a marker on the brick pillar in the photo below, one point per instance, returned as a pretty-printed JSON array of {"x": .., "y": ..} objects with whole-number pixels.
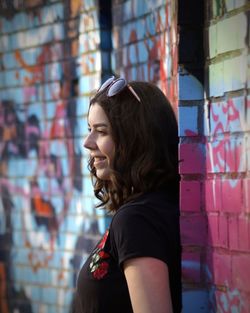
[{"x": 227, "y": 126}]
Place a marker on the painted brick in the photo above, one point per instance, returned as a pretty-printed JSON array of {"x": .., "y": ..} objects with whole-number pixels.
[
  {"x": 191, "y": 267},
  {"x": 215, "y": 156},
  {"x": 244, "y": 233},
  {"x": 231, "y": 300},
  {"x": 241, "y": 154},
  {"x": 222, "y": 268},
  {"x": 227, "y": 75},
  {"x": 241, "y": 271},
  {"x": 216, "y": 83},
  {"x": 235, "y": 112},
  {"x": 213, "y": 230},
  {"x": 190, "y": 87},
  {"x": 248, "y": 152},
  {"x": 233, "y": 233},
  {"x": 223, "y": 231},
  {"x": 231, "y": 33},
  {"x": 212, "y": 33},
  {"x": 229, "y": 5},
  {"x": 191, "y": 158},
  {"x": 238, "y": 4},
  {"x": 217, "y": 117},
  {"x": 247, "y": 105},
  {"x": 194, "y": 230},
  {"x": 190, "y": 198},
  {"x": 230, "y": 155},
  {"x": 188, "y": 120},
  {"x": 232, "y": 195},
  {"x": 213, "y": 196},
  {"x": 246, "y": 194},
  {"x": 206, "y": 120}
]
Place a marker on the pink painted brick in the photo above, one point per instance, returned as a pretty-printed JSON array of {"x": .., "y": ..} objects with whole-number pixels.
[
  {"x": 230, "y": 155},
  {"x": 209, "y": 159},
  {"x": 192, "y": 158},
  {"x": 241, "y": 155},
  {"x": 213, "y": 195},
  {"x": 229, "y": 299},
  {"x": 190, "y": 196},
  {"x": 222, "y": 268},
  {"x": 215, "y": 156},
  {"x": 213, "y": 230},
  {"x": 231, "y": 195},
  {"x": 223, "y": 231},
  {"x": 241, "y": 271},
  {"x": 245, "y": 302},
  {"x": 191, "y": 267},
  {"x": 246, "y": 194},
  {"x": 193, "y": 230},
  {"x": 244, "y": 233},
  {"x": 233, "y": 233}
]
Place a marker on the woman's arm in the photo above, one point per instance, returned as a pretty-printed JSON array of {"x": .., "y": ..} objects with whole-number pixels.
[{"x": 148, "y": 284}]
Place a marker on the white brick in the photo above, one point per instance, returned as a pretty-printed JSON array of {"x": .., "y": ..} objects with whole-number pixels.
[
  {"x": 235, "y": 73},
  {"x": 248, "y": 113},
  {"x": 231, "y": 33},
  {"x": 227, "y": 75},
  {"x": 248, "y": 71},
  {"x": 216, "y": 83},
  {"x": 239, "y": 3},
  {"x": 229, "y": 5},
  {"x": 212, "y": 31},
  {"x": 239, "y": 72},
  {"x": 248, "y": 153}
]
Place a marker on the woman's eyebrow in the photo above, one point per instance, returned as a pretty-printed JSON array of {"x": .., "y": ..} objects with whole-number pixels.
[{"x": 96, "y": 125}]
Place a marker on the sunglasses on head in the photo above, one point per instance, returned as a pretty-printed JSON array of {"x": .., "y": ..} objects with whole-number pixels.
[{"x": 115, "y": 86}]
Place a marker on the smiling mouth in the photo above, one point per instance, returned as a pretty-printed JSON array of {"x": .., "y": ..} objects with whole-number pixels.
[{"x": 99, "y": 160}]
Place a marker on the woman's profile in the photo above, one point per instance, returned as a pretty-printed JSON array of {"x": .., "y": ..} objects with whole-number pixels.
[{"x": 133, "y": 161}]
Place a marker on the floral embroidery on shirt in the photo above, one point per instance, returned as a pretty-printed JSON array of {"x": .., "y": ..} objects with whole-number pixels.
[{"x": 99, "y": 261}]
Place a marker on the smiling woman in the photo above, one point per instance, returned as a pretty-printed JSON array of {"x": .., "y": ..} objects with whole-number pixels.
[
  {"x": 100, "y": 142},
  {"x": 133, "y": 148}
]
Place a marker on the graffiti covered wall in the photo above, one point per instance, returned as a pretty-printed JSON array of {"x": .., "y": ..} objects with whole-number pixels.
[
  {"x": 50, "y": 61},
  {"x": 227, "y": 126},
  {"x": 214, "y": 155},
  {"x": 145, "y": 42},
  {"x": 52, "y": 55}
]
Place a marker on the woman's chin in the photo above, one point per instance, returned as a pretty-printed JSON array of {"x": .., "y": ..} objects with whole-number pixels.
[{"x": 103, "y": 174}]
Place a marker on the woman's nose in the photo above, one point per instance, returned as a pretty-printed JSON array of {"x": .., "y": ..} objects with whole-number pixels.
[{"x": 89, "y": 142}]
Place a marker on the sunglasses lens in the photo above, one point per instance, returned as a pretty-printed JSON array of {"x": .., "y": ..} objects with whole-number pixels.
[
  {"x": 106, "y": 83},
  {"x": 117, "y": 86}
]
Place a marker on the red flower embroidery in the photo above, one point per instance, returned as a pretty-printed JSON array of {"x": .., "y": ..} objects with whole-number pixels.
[
  {"x": 103, "y": 241},
  {"x": 103, "y": 254},
  {"x": 101, "y": 271},
  {"x": 98, "y": 267}
]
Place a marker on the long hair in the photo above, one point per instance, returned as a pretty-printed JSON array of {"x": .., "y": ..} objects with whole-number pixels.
[{"x": 146, "y": 145}]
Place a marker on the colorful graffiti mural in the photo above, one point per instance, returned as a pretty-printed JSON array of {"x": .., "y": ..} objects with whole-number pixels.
[
  {"x": 48, "y": 221},
  {"x": 147, "y": 45},
  {"x": 52, "y": 55}
]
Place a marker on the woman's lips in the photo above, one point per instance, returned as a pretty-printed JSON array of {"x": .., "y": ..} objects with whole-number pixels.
[{"x": 99, "y": 161}]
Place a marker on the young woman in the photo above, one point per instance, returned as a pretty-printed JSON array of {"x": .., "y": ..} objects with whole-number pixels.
[{"x": 133, "y": 146}]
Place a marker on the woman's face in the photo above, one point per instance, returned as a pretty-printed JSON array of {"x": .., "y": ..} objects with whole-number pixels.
[{"x": 100, "y": 142}]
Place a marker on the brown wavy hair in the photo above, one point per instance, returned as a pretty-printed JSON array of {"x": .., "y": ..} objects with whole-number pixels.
[{"x": 146, "y": 145}]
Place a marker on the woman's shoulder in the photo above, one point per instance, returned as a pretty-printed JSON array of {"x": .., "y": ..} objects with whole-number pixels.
[{"x": 153, "y": 204}]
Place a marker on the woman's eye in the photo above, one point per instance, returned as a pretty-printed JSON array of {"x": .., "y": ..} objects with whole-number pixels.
[
  {"x": 89, "y": 129},
  {"x": 102, "y": 132}
]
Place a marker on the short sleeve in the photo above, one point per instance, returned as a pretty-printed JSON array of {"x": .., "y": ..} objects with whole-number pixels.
[{"x": 137, "y": 232}]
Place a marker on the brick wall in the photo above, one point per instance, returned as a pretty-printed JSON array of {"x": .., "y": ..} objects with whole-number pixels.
[
  {"x": 50, "y": 60},
  {"x": 227, "y": 128},
  {"x": 52, "y": 54},
  {"x": 145, "y": 42}
]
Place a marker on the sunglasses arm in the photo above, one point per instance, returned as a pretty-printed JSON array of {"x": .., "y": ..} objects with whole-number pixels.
[{"x": 133, "y": 92}]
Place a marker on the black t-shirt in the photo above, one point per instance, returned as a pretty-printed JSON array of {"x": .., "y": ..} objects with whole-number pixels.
[{"x": 145, "y": 227}]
